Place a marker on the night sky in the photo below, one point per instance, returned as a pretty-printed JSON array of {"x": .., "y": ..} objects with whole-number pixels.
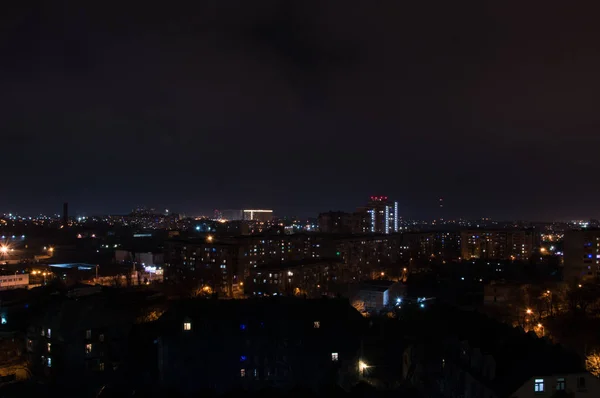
[{"x": 301, "y": 107}]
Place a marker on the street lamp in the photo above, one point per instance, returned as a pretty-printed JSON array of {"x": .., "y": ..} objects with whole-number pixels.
[
  {"x": 529, "y": 312},
  {"x": 540, "y": 326},
  {"x": 362, "y": 367}
]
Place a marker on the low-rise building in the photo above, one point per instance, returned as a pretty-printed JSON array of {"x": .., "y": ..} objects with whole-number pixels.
[
  {"x": 581, "y": 255},
  {"x": 377, "y": 295},
  {"x": 257, "y": 343},
  {"x": 81, "y": 340},
  {"x": 14, "y": 281}
]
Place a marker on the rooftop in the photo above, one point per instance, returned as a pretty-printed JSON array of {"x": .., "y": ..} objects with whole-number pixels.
[
  {"x": 79, "y": 266},
  {"x": 297, "y": 264}
]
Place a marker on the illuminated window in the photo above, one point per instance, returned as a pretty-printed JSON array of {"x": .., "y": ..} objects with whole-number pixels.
[
  {"x": 49, "y": 363},
  {"x": 101, "y": 366},
  {"x": 187, "y": 326},
  {"x": 88, "y": 334},
  {"x": 316, "y": 324},
  {"x": 49, "y": 334},
  {"x": 88, "y": 348},
  {"x": 538, "y": 385},
  {"x": 334, "y": 356},
  {"x": 49, "y": 347},
  {"x": 242, "y": 372},
  {"x": 561, "y": 384}
]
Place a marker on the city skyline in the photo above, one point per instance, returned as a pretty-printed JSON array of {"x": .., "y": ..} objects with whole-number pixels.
[
  {"x": 488, "y": 106},
  {"x": 209, "y": 213}
]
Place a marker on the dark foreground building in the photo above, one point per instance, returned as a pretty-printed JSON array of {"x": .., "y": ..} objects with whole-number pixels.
[
  {"x": 462, "y": 354},
  {"x": 81, "y": 341},
  {"x": 256, "y": 343}
]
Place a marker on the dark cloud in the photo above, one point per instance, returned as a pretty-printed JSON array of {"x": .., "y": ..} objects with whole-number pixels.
[{"x": 301, "y": 106}]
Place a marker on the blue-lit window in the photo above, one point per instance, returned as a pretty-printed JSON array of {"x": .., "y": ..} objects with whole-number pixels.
[
  {"x": 242, "y": 358},
  {"x": 243, "y": 326},
  {"x": 589, "y": 256},
  {"x": 538, "y": 385}
]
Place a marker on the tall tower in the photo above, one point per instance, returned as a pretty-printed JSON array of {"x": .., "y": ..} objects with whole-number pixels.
[
  {"x": 441, "y": 209},
  {"x": 65, "y": 214},
  {"x": 382, "y": 214}
]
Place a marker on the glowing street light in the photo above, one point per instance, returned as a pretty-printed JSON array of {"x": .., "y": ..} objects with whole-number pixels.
[
  {"x": 3, "y": 249},
  {"x": 362, "y": 367},
  {"x": 540, "y": 326},
  {"x": 209, "y": 238}
]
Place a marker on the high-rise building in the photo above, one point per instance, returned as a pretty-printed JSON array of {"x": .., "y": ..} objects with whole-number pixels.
[
  {"x": 380, "y": 216},
  {"x": 258, "y": 215},
  {"x": 337, "y": 222},
  {"x": 497, "y": 244}
]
